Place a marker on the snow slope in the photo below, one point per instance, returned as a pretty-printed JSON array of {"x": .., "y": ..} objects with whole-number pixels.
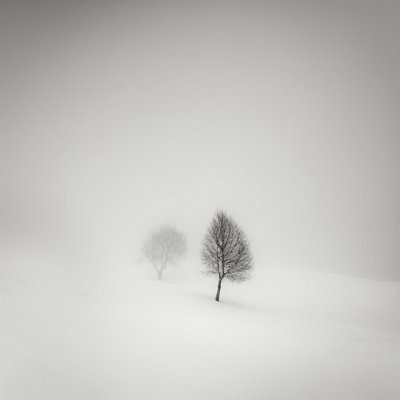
[{"x": 286, "y": 334}]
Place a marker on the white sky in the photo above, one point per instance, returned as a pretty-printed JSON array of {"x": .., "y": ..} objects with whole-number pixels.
[{"x": 119, "y": 116}]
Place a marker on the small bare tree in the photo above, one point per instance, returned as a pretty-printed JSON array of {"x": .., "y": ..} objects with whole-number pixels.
[
  {"x": 163, "y": 247},
  {"x": 226, "y": 252}
]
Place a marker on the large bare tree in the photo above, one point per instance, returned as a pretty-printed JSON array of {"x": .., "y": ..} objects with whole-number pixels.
[
  {"x": 163, "y": 247},
  {"x": 226, "y": 251}
]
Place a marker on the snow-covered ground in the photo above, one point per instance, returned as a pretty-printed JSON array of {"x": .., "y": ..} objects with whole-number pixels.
[{"x": 286, "y": 334}]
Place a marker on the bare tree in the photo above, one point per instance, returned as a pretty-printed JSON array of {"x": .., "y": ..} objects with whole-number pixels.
[
  {"x": 226, "y": 252},
  {"x": 163, "y": 247}
]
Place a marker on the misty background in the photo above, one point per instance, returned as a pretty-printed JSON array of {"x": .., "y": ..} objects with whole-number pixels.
[{"x": 121, "y": 116}]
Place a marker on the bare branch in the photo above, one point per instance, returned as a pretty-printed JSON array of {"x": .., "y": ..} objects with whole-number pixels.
[
  {"x": 163, "y": 247},
  {"x": 226, "y": 251}
]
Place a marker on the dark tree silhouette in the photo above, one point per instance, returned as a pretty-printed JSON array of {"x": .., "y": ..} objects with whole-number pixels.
[
  {"x": 226, "y": 252},
  {"x": 163, "y": 247}
]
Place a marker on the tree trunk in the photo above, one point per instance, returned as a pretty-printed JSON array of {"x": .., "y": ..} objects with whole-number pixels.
[
  {"x": 218, "y": 290},
  {"x": 159, "y": 274}
]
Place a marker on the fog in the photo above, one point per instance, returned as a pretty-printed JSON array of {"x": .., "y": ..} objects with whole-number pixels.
[{"x": 119, "y": 117}]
